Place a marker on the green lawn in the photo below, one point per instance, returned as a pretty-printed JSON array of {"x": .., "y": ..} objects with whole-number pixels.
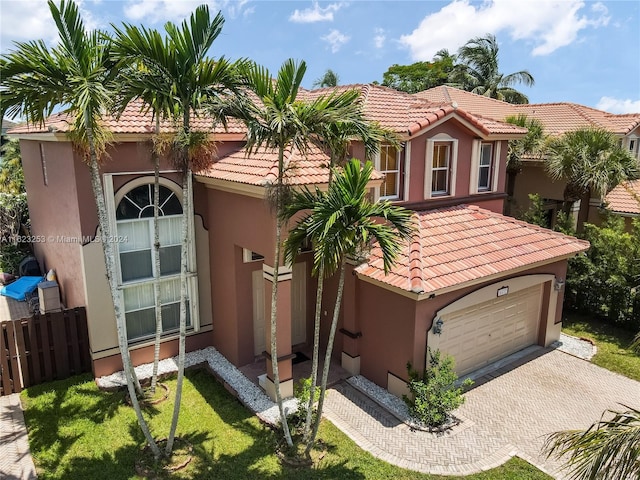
[
  {"x": 77, "y": 431},
  {"x": 612, "y": 342}
]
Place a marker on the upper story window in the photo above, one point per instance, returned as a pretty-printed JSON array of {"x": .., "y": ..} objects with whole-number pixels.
[
  {"x": 440, "y": 166},
  {"x": 634, "y": 147},
  {"x": 441, "y": 169},
  {"x": 389, "y": 165},
  {"x": 135, "y": 231},
  {"x": 485, "y": 167}
]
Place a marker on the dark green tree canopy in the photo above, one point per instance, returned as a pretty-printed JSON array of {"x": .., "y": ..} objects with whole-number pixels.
[{"x": 420, "y": 76}]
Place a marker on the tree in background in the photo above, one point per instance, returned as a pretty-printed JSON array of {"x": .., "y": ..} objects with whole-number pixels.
[
  {"x": 11, "y": 174},
  {"x": 530, "y": 146},
  {"x": 478, "y": 72},
  {"x": 420, "y": 76},
  {"x": 328, "y": 79},
  {"x": 592, "y": 162}
]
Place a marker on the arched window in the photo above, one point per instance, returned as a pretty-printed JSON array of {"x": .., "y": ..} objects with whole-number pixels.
[{"x": 134, "y": 222}]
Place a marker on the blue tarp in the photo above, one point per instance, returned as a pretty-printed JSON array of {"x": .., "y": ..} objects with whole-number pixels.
[{"x": 21, "y": 287}]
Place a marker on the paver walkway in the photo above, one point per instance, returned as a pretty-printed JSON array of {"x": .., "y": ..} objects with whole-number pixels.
[
  {"x": 509, "y": 415},
  {"x": 15, "y": 459}
]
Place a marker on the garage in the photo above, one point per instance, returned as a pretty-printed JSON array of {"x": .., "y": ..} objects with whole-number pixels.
[{"x": 486, "y": 332}]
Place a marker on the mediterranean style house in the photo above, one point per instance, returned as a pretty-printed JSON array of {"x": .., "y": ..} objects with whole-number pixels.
[
  {"x": 471, "y": 282},
  {"x": 557, "y": 118}
]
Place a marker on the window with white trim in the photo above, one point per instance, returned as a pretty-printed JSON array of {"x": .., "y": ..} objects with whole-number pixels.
[
  {"x": 389, "y": 165},
  {"x": 134, "y": 224},
  {"x": 485, "y": 167},
  {"x": 441, "y": 169}
]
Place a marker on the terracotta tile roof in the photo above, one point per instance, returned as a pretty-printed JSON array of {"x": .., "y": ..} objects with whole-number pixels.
[
  {"x": 261, "y": 168},
  {"x": 406, "y": 115},
  {"x": 457, "y": 245},
  {"x": 556, "y": 117},
  {"x": 132, "y": 121},
  {"x": 625, "y": 198}
]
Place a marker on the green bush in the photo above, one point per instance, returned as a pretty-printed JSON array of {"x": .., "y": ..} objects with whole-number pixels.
[
  {"x": 302, "y": 392},
  {"x": 434, "y": 394},
  {"x": 10, "y": 256}
]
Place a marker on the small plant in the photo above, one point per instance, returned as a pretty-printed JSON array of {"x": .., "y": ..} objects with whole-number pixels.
[
  {"x": 302, "y": 392},
  {"x": 434, "y": 394}
]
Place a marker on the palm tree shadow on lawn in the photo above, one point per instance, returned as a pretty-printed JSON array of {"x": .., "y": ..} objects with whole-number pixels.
[{"x": 247, "y": 463}]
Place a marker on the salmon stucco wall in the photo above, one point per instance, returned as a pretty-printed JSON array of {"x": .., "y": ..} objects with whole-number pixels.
[
  {"x": 394, "y": 327},
  {"x": 55, "y": 208}
]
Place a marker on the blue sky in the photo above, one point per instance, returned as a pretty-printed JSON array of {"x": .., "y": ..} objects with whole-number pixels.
[{"x": 585, "y": 52}]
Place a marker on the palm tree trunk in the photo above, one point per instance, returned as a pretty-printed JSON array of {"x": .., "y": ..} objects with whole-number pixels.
[
  {"x": 583, "y": 213},
  {"x": 274, "y": 301},
  {"x": 109, "y": 258},
  {"x": 316, "y": 353},
  {"x": 186, "y": 205},
  {"x": 156, "y": 261},
  {"x": 327, "y": 356}
]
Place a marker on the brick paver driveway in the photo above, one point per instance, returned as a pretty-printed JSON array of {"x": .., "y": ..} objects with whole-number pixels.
[{"x": 509, "y": 415}]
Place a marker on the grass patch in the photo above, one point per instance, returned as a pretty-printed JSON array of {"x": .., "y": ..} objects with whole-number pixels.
[
  {"x": 612, "y": 342},
  {"x": 77, "y": 431}
]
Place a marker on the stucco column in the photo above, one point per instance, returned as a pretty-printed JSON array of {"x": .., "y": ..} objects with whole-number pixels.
[
  {"x": 350, "y": 324},
  {"x": 283, "y": 322}
]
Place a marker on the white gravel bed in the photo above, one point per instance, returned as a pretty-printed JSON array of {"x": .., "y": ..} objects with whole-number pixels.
[
  {"x": 575, "y": 346},
  {"x": 249, "y": 394}
]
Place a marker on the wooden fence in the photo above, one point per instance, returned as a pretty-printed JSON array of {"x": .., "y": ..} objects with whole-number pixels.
[{"x": 43, "y": 348}]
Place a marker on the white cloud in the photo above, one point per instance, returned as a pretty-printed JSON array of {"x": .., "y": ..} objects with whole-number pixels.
[
  {"x": 336, "y": 40},
  {"x": 379, "y": 38},
  {"x": 23, "y": 20},
  {"x": 160, "y": 11},
  {"x": 546, "y": 24},
  {"x": 618, "y": 105},
  {"x": 315, "y": 13}
]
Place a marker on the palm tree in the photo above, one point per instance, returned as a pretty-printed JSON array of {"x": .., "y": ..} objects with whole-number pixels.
[
  {"x": 181, "y": 78},
  {"x": 275, "y": 119},
  {"x": 478, "y": 72},
  {"x": 343, "y": 222},
  {"x": 591, "y": 161},
  {"x": 607, "y": 449},
  {"x": 529, "y": 146},
  {"x": 328, "y": 79},
  {"x": 77, "y": 75},
  {"x": 336, "y": 138}
]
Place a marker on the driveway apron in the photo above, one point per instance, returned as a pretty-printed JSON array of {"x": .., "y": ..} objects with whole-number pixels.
[{"x": 509, "y": 415}]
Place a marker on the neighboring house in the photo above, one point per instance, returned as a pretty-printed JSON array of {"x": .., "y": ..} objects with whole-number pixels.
[
  {"x": 557, "y": 118},
  {"x": 6, "y": 125},
  {"x": 624, "y": 200},
  {"x": 472, "y": 282}
]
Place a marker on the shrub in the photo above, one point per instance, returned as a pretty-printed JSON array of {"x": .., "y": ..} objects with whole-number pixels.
[
  {"x": 302, "y": 392},
  {"x": 434, "y": 393}
]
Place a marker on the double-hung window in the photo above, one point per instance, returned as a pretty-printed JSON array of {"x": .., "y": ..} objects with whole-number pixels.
[
  {"x": 134, "y": 223},
  {"x": 441, "y": 169},
  {"x": 485, "y": 167},
  {"x": 390, "y": 167}
]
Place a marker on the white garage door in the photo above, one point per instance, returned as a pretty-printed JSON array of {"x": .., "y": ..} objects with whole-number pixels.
[{"x": 484, "y": 333}]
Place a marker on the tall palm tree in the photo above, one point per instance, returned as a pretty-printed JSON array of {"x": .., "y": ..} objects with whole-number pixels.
[
  {"x": 343, "y": 222},
  {"x": 181, "y": 78},
  {"x": 591, "y": 161},
  {"x": 276, "y": 119},
  {"x": 336, "y": 138},
  {"x": 607, "y": 449},
  {"x": 76, "y": 75},
  {"x": 529, "y": 146},
  {"x": 478, "y": 72},
  {"x": 328, "y": 79}
]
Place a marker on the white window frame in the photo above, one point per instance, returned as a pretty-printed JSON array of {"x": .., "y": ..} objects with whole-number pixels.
[
  {"x": 476, "y": 155},
  {"x": 633, "y": 145},
  {"x": 441, "y": 138},
  {"x": 397, "y": 171},
  {"x": 488, "y": 167},
  {"x": 113, "y": 199}
]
